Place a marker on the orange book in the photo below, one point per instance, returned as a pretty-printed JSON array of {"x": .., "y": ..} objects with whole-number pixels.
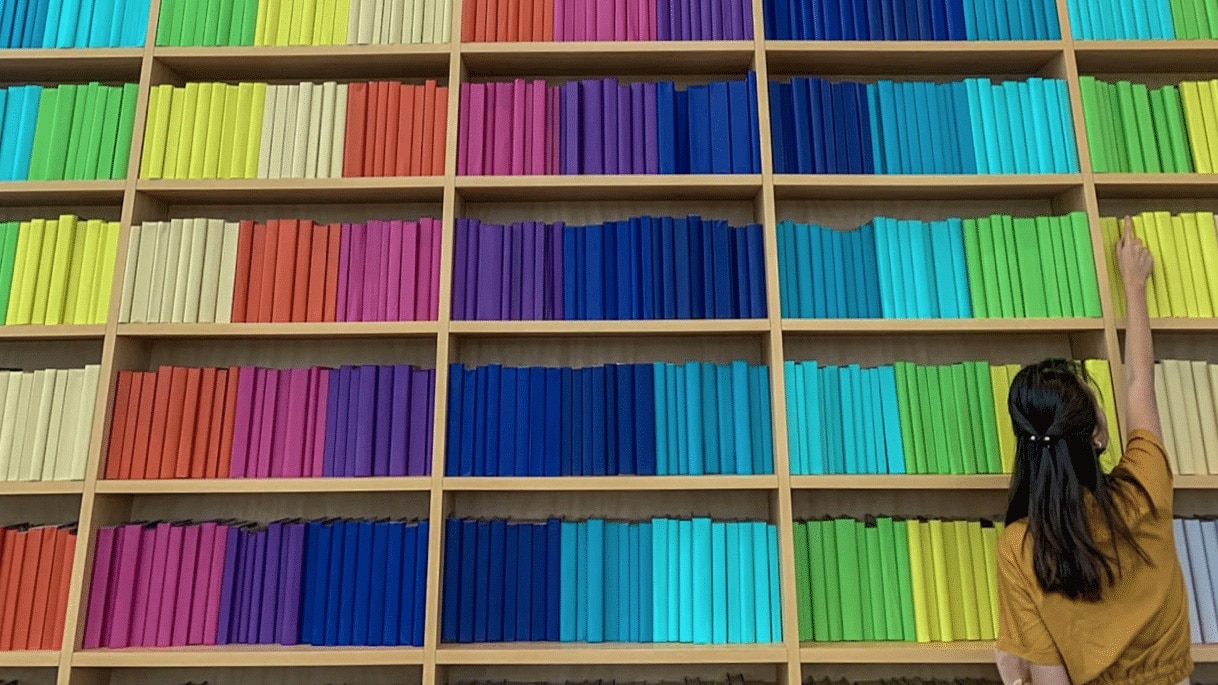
[
  {"x": 547, "y": 19},
  {"x": 116, "y": 451},
  {"x": 314, "y": 310},
  {"x": 9, "y": 577},
  {"x": 333, "y": 250},
  {"x": 52, "y": 607},
  {"x": 285, "y": 271},
  {"x": 524, "y": 23},
  {"x": 374, "y": 138},
  {"x": 160, "y": 419},
  {"x": 480, "y": 21},
  {"x": 440, "y": 138},
  {"x": 300, "y": 284},
  {"x": 509, "y": 21},
  {"x": 150, "y": 436},
  {"x": 266, "y": 288},
  {"x": 467, "y": 21},
  {"x": 202, "y": 437},
  {"x": 241, "y": 281},
  {"x": 190, "y": 417},
  {"x": 495, "y": 31},
  {"x": 257, "y": 267},
  {"x": 23, "y": 612},
  {"x": 216, "y": 426},
  {"x": 173, "y": 422},
  {"x": 41, "y": 590},
  {"x": 389, "y": 134},
  {"x": 131, "y": 448},
  {"x": 230, "y": 413},
  {"x": 68, "y": 541},
  {"x": 424, "y": 121},
  {"x": 357, "y": 113},
  {"x": 406, "y": 131}
]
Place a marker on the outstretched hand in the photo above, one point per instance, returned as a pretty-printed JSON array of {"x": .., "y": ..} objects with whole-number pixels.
[{"x": 1135, "y": 260}]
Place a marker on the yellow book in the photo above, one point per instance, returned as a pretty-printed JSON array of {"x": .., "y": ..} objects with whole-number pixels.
[
  {"x": 271, "y": 31},
  {"x": 1174, "y": 268},
  {"x": 46, "y": 267},
  {"x": 342, "y": 19},
  {"x": 149, "y": 168},
  {"x": 1110, "y": 228},
  {"x": 228, "y": 134},
  {"x": 198, "y": 144},
  {"x": 104, "y": 279},
  {"x": 81, "y": 255},
  {"x": 94, "y": 245},
  {"x": 981, "y": 591},
  {"x": 1144, "y": 228},
  {"x": 215, "y": 130},
  {"x": 22, "y": 268},
  {"x": 1001, "y": 381},
  {"x": 1166, "y": 422},
  {"x": 1208, "y": 232},
  {"x": 955, "y": 585},
  {"x": 1189, "y": 246},
  {"x": 1209, "y": 115},
  {"x": 260, "y": 23},
  {"x": 173, "y": 142},
  {"x": 283, "y": 32},
  {"x": 990, "y": 537},
  {"x": 943, "y": 602},
  {"x": 239, "y": 152},
  {"x": 190, "y": 121},
  {"x": 1101, "y": 374},
  {"x": 323, "y": 23},
  {"x": 61, "y": 263},
  {"x": 254, "y": 143},
  {"x": 917, "y": 572},
  {"x": 1194, "y": 121},
  {"x": 967, "y": 581}
]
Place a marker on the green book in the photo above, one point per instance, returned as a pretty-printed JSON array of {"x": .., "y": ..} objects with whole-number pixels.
[
  {"x": 224, "y": 23},
  {"x": 1194, "y": 19},
  {"x": 192, "y": 33},
  {"x": 9, "y": 231},
  {"x": 1081, "y": 228},
  {"x": 1002, "y": 269},
  {"x": 989, "y": 422},
  {"x": 864, "y": 574},
  {"x": 177, "y": 35},
  {"x": 1110, "y": 126},
  {"x": 1158, "y": 117},
  {"x": 1129, "y": 127},
  {"x": 822, "y": 619},
  {"x": 950, "y": 396},
  {"x": 109, "y": 132},
  {"x": 904, "y": 400},
  {"x": 1116, "y": 125},
  {"x": 989, "y": 270},
  {"x": 164, "y": 23},
  {"x": 803, "y": 589},
  {"x": 833, "y": 588},
  {"x": 900, "y": 539},
  {"x": 1177, "y": 18},
  {"x": 236, "y": 26},
  {"x": 249, "y": 28},
  {"x": 1069, "y": 278},
  {"x": 923, "y": 421},
  {"x": 877, "y": 595},
  {"x": 1211, "y": 19},
  {"x": 849, "y": 579},
  {"x": 1176, "y": 128},
  {"x": 888, "y": 579},
  {"x": 972, "y": 262},
  {"x": 61, "y": 131},
  {"x": 207, "y": 28},
  {"x": 933, "y": 408},
  {"x": 976, "y": 427},
  {"x": 78, "y": 138},
  {"x": 1146, "y": 129},
  {"x": 1031, "y": 269},
  {"x": 1049, "y": 267},
  {"x": 87, "y": 145},
  {"x": 126, "y": 125},
  {"x": 48, "y": 102},
  {"x": 966, "y": 399},
  {"x": 1095, "y": 131}
]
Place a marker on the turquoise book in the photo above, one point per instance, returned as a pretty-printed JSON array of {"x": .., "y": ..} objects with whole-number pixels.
[{"x": 703, "y": 589}]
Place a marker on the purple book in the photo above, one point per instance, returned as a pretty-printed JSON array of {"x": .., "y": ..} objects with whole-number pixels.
[
  {"x": 374, "y": 252},
  {"x": 472, "y": 260},
  {"x": 490, "y": 271},
  {"x": 291, "y": 578},
  {"x": 281, "y": 456},
  {"x": 521, "y": 107},
  {"x": 554, "y": 130},
  {"x": 320, "y": 412},
  {"x": 344, "y": 267},
  {"x": 428, "y": 422},
  {"x": 396, "y": 271},
  {"x": 384, "y": 420},
  {"x": 461, "y": 275},
  {"x": 427, "y": 306},
  {"x": 96, "y": 618},
  {"x": 202, "y": 584},
  {"x": 257, "y": 585},
  {"x": 685, "y": 20},
  {"x": 651, "y": 130},
  {"x": 173, "y": 569},
  {"x": 123, "y": 584},
  {"x": 746, "y": 19},
  {"x": 185, "y": 586},
  {"x": 365, "y": 418},
  {"x": 229, "y": 587},
  {"x": 626, "y": 126},
  {"x": 296, "y": 420},
  {"x": 408, "y": 285},
  {"x": 713, "y": 15},
  {"x": 268, "y": 614},
  {"x": 139, "y": 609},
  {"x": 572, "y": 147},
  {"x": 528, "y": 259},
  {"x": 242, "y": 422},
  {"x": 422, "y": 392},
  {"x": 610, "y": 126},
  {"x": 241, "y": 612},
  {"x": 156, "y": 585},
  {"x": 336, "y": 433},
  {"x": 638, "y": 129},
  {"x": 733, "y": 19},
  {"x": 664, "y": 19},
  {"x": 355, "y": 272},
  {"x": 592, "y": 94},
  {"x": 351, "y": 424},
  {"x": 272, "y": 423},
  {"x": 399, "y": 423},
  {"x": 215, "y": 591},
  {"x": 513, "y": 270},
  {"x": 538, "y": 264},
  {"x": 556, "y": 252},
  {"x": 704, "y": 15}
]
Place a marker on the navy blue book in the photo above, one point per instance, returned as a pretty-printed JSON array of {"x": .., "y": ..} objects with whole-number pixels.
[
  {"x": 504, "y": 413},
  {"x": 721, "y": 251},
  {"x": 900, "y": 25},
  {"x": 939, "y": 20},
  {"x": 682, "y": 132},
  {"x": 875, "y": 20},
  {"x": 420, "y": 583},
  {"x": 334, "y": 590},
  {"x": 596, "y": 417},
  {"x": 363, "y": 584},
  {"x": 846, "y": 12},
  {"x": 829, "y": 124},
  {"x": 805, "y": 126},
  {"x": 570, "y": 308},
  {"x": 540, "y": 612},
  {"x": 666, "y": 116},
  {"x": 588, "y": 422},
  {"x": 552, "y": 445},
  {"x": 410, "y": 604},
  {"x": 913, "y": 27},
  {"x": 553, "y": 579},
  {"x": 756, "y": 281},
  {"x": 264, "y": 631},
  {"x": 645, "y": 420},
  {"x": 524, "y": 584},
  {"x": 779, "y": 115},
  {"x": 628, "y": 270},
  {"x": 350, "y": 584},
  {"x": 464, "y": 592},
  {"x": 523, "y": 405},
  {"x": 864, "y": 111},
  {"x": 608, "y": 233},
  {"x": 478, "y": 418},
  {"x": 774, "y": 30},
  {"x": 610, "y": 419},
  {"x": 486, "y": 461},
  {"x": 627, "y": 405},
  {"x": 494, "y": 605},
  {"x": 808, "y": 18},
  {"x": 926, "y": 28},
  {"x": 649, "y": 305},
  {"x": 750, "y": 81},
  {"x": 537, "y": 424},
  {"x": 742, "y": 281},
  {"x": 566, "y": 422},
  {"x": 956, "y": 29},
  {"x": 577, "y": 452},
  {"x": 831, "y": 20},
  {"x": 698, "y": 271},
  {"x": 666, "y": 267},
  {"x": 594, "y": 247},
  {"x": 681, "y": 271},
  {"x": 391, "y": 619},
  {"x": 482, "y": 582},
  {"x": 376, "y": 585},
  {"x": 510, "y": 570},
  {"x": 308, "y": 589},
  {"x": 581, "y": 267},
  {"x": 700, "y": 130},
  {"x": 720, "y": 109}
]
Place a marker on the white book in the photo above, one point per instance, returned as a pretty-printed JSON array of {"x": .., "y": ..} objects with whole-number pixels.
[
  {"x": 429, "y": 21},
  {"x": 8, "y": 419},
  {"x": 228, "y": 273},
  {"x": 300, "y": 136},
  {"x": 213, "y": 250},
  {"x": 338, "y": 139},
  {"x": 393, "y": 30},
  {"x": 1208, "y": 414},
  {"x": 90, "y": 377},
  {"x": 417, "y": 30},
  {"x": 285, "y": 113},
  {"x": 194, "y": 271},
  {"x": 367, "y": 21},
  {"x": 353, "y": 22},
  {"x": 55, "y": 446},
  {"x": 156, "y": 280},
  {"x": 406, "y": 35},
  {"x": 1184, "y": 372},
  {"x": 1165, "y": 409},
  {"x": 444, "y": 33},
  {"x": 23, "y": 431},
  {"x": 4, "y": 456},
  {"x": 379, "y": 20},
  {"x": 268, "y": 131},
  {"x": 40, "y": 406},
  {"x": 69, "y": 424},
  {"x": 174, "y": 302},
  {"x": 313, "y": 133},
  {"x": 325, "y": 131},
  {"x": 1173, "y": 383},
  {"x": 133, "y": 260},
  {"x": 145, "y": 265}
]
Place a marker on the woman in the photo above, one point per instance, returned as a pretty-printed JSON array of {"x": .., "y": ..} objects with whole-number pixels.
[{"x": 1089, "y": 586}]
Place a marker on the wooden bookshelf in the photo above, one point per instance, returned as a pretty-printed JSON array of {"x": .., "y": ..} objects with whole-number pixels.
[{"x": 125, "y": 346}]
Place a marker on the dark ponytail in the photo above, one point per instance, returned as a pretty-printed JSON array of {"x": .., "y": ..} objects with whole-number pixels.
[{"x": 1055, "y": 416}]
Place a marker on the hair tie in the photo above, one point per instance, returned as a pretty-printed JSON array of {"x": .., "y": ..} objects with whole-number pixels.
[{"x": 1045, "y": 439}]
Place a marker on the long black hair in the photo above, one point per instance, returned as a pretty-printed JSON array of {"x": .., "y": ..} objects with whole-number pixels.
[{"x": 1055, "y": 417}]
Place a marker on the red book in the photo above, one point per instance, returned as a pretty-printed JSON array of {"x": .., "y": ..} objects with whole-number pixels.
[
  {"x": 374, "y": 144},
  {"x": 269, "y": 269},
  {"x": 526, "y": 33},
  {"x": 14, "y": 561},
  {"x": 440, "y": 137},
  {"x": 418, "y": 132},
  {"x": 493, "y": 32},
  {"x": 65, "y": 550},
  {"x": 158, "y": 406},
  {"x": 173, "y": 421},
  {"x": 116, "y": 451},
  {"x": 138, "y": 432},
  {"x": 241, "y": 281},
  {"x": 285, "y": 271},
  {"x": 509, "y": 21},
  {"x": 547, "y": 18},
  {"x": 230, "y": 411},
  {"x": 202, "y": 438},
  {"x": 407, "y": 135},
  {"x": 211, "y": 467},
  {"x": 300, "y": 285},
  {"x": 190, "y": 418},
  {"x": 357, "y": 113},
  {"x": 24, "y": 610},
  {"x": 318, "y": 241},
  {"x": 334, "y": 233},
  {"x": 480, "y": 22},
  {"x": 257, "y": 265},
  {"x": 427, "y": 123},
  {"x": 468, "y": 20},
  {"x": 41, "y": 590},
  {"x": 391, "y": 128},
  {"x": 7, "y": 538}
]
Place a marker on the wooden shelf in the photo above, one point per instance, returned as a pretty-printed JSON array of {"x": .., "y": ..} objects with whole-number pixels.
[
  {"x": 611, "y": 483},
  {"x": 282, "y": 331},
  {"x": 248, "y": 656},
  {"x": 606, "y": 654},
  {"x": 34, "y": 333},
  {"x": 65, "y": 194},
  {"x": 1156, "y": 186},
  {"x": 997, "y": 482},
  {"x": 1181, "y": 325},
  {"x": 39, "y": 659},
  {"x": 653, "y": 187},
  {"x": 940, "y": 326},
  {"x": 313, "y": 63},
  {"x": 886, "y": 58},
  {"x": 683, "y": 327},
  {"x": 897, "y": 653},
  {"x": 922, "y": 187},
  {"x": 296, "y": 190},
  {"x": 609, "y": 58},
  {"x": 262, "y": 486},
  {"x": 36, "y": 488},
  {"x": 1098, "y": 57},
  {"x": 71, "y": 65}
]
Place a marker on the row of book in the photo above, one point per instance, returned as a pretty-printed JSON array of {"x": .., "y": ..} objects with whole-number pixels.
[
  {"x": 332, "y": 582},
  {"x": 284, "y": 270},
  {"x": 885, "y": 579},
  {"x": 46, "y": 423},
  {"x": 619, "y": 419},
  {"x": 908, "y": 418},
  {"x": 616, "y": 20},
  {"x": 642, "y": 268},
  {"x": 991, "y": 267},
  {"x": 35, "y": 573},
  {"x": 601, "y": 126},
  {"x": 1185, "y": 247},
  {"x": 1197, "y": 549},
  {"x": 1142, "y": 19},
  {"x": 1131, "y": 128},
  {"x": 307, "y": 130},
  {"x": 66, "y": 133},
  {"x": 1187, "y": 396},
  {"x": 663, "y": 580},
  {"x": 972, "y": 126},
  {"x": 73, "y": 24},
  {"x": 900, "y": 20},
  {"x": 57, "y": 271},
  {"x": 303, "y": 22},
  {"x": 251, "y": 422}
]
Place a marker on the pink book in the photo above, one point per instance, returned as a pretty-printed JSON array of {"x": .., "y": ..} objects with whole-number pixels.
[
  {"x": 243, "y": 422},
  {"x": 356, "y": 274},
  {"x": 499, "y": 108},
  {"x": 560, "y": 18},
  {"x": 427, "y": 284},
  {"x": 124, "y": 585},
  {"x": 257, "y": 422},
  {"x": 384, "y": 266},
  {"x": 603, "y": 22},
  {"x": 319, "y": 417},
  {"x": 95, "y": 619},
  {"x": 344, "y": 260},
  {"x": 433, "y": 269},
  {"x": 173, "y": 565},
  {"x": 619, "y": 20},
  {"x": 479, "y": 131},
  {"x": 139, "y": 609},
  {"x": 374, "y": 263},
  {"x": 463, "y": 131},
  {"x": 651, "y": 14},
  {"x": 185, "y": 586},
  {"x": 272, "y": 425},
  {"x": 519, "y": 124},
  {"x": 555, "y": 135},
  {"x": 579, "y": 20},
  {"x": 297, "y": 408},
  {"x": 211, "y": 615},
  {"x": 394, "y": 272},
  {"x": 537, "y": 127},
  {"x": 202, "y": 584},
  {"x": 156, "y": 584},
  {"x": 633, "y": 31},
  {"x": 310, "y": 425},
  {"x": 408, "y": 287}
]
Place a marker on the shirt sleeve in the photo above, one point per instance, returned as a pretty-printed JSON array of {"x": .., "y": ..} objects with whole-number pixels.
[
  {"x": 1146, "y": 459},
  {"x": 1020, "y": 629}
]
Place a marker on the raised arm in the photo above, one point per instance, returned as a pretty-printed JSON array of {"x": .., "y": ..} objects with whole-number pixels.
[{"x": 1136, "y": 264}]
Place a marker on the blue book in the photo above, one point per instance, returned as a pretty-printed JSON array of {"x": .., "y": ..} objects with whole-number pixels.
[
  {"x": 598, "y": 411},
  {"x": 84, "y": 20},
  {"x": 596, "y": 580},
  {"x": 537, "y": 423},
  {"x": 720, "y": 297},
  {"x": 1058, "y": 88},
  {"x": 955, "y": 17},
  {"x": 391, "y": 613},
  {"x": 737, "y": 117},
  {"x": 566, "y": 418},
  {"x": 1209, "y": 540},
  {"x": 632, "y": 285},
  {"x": 525, "y": 568},
  {"x": 588, "y": 423},
  {"x": 570, "y": 294},
  {"x": 788, "y": 279},
  {"x": 501, "y": 422},
  {"x": 376, "y": 589},
  {"x": 972, "y": 30},
  {"x": 900, "y": 30},
  {"x": 1195, "y": 543},
  {"x": 577, "y": 412},
  {"x": 35, "y": 23},
  {"x": 540, "y": 611},
  {"x": 922, "y": 140},
  {"x": 832, "y": 127},
  {"x": 701, "y": 130},
  {"x": 845, "y": 11},
  {"x": 481, "y": 386},
  {"x": 755, "y": 282},
  {"x": 867, "y": 118},
  {"x": 7, "y": 21},
  {"x": 856, "y": 127},
  {"x": 609, "y": 249},
  {"x": 852, "y": 274},
  {"x": 503, "y": 623},
  {"x": 761, "y": 579},
  {"x": 993, "y": 23},
  {"x": 682, "y": 128},
  {"x": 468, "y": 578},
  {"x": 1161, "y": 9},
  {"x": 733, "y": 575},
  {"x": 860, "y": 14},
  {"x": 419, "y": 573},
  {"x": 774, "y": 583},
  {"x": 702, "y": 613},
  {"x": 940, "y": 27},
  {"x": 806, "y": 121},
  {"x": 925, "y": 20},
  {"x": 581, "y": 589},
  {"x": 831, "y": 20},
  {"x": 493, "y": 609},
  {"x": 610, "y": 420},
  {"x": 614, "y": 586},
  {"x": 655, "y": 463},
  {"x": 22, "y": 29},
  {"x": 594, "y": 248},
  {"x": 624, "y": 413},
  {"x": 569, "y": 580},
  {"x": 719, "y": 106},
  {"x": 679, "y": 419},
  {"x": 666, "y": 115},
  {"x": 739, "y": 276},
  {"x": 553, "y": 595},
  {"x": 684, "y": 282},
  {"x": 309, "y": 589},
  {"x": 363, "y": 583},
  {"x": 366, "y": 408},
  {"x": 956, "y": 96},
  {"x": 665, "y": 269},
  {"x": 351, "y": 567},
  {"x": 552, "y": 443},
  {"x": 626, "y": 265},
  {"x": 522, "y": 423},
  {"x": 780, "y": 105},
  {"x": 913, "y": 29},
  {"x": 964, "y": 306},
  {"x": 890, "y": 127},
  {"x": 870, "y": 271},
  {"x": 746, "y": 609},
  {"x": 337, "y": 579},
  {"x": 628, "y": 556},
  {"x": 754, "y": 127},
  {"x": 651, "y": 290}
]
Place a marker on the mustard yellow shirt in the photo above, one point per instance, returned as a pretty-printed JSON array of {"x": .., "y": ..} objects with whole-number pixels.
[{"x": 1138, "y": 634}]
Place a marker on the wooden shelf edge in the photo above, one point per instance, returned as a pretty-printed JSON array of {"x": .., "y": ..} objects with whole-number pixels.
[
  {"x": 23, "y": 659},
  {"x": 928, "y": 653},
  {"x": 247, "y": 656},
  {"x": 64, "y": 332},
  {"x": 297, "y": 51},
  {"x": 998, "y": 482},
  {"x": 296, "y": 190},
  {"x": 622, "y": 328},
  {"x": 922, "y": 186},
  {"x": 262, "y": 486},
  {"x": 610, "y": 483},
  {"x": 358, "y": 329},
  {"x": 946, "y": 326},
  {"x": 610, "y": 187},
  {"x": 40, "y": 488},
  {"x": 63, "y": 193},
  {"x": 607, "y": 654}
]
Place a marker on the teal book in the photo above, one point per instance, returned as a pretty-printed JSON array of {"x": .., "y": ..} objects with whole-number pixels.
[
  {"x": 725, "y": 402},
  {"x": 884, "y": 267},
  {"x": 832, "y": 395},
  {"x": 711, "y": 418},
  {"x": 680, "y": 417},
  {"x": 742, "y": 430},
  {"x": 775, "y": 584},
  {"x": 628, "y": 555},
  {"x": 761, "y": 411},
  {"x": 693, "y": 411},
  {"x": 719, "y": 563},
  {"x": 891, "y": 605},
  {"x": 581, "y": 599},
  {"x": 1008, "y": 152},
  {"x": 814, "y": 429},
  {"x": 660, "y": 386},
  {"x": 797, "y": 418},
  {"x": 922, "y": 282},
  {"x": 613, "y": 583},
  {"x": 964, "y": 307},
  {"x": 849, "y": 579},
  {"x": 676, "y": 429},
  {"x": 894, "y": 446},
  {"x": 659, "y": 580},
  {"x": 761, "y": 580},
  {"x": 944, "y": 294},
  {"x": 1040, "y": 129},
  {"x": 785, "y": 269},
  {"x": 869, "y": 403},
  {"x": 997, "y": 161},
  {"x": 596, "y": 580},
  {"x": 687, "y": 593},
  {"x": 746, "y": 616},
  {"x": 1063, "y": 123},
  {"x": 734, "y": 601},
  {"x": 703, "y": 590},
  {"x": 850, "y": 409},
  {"x": 646, "y": 564},
  {"x": 673, "y": 563},
  {"x": 905, "y": 301},
  {"x": 570, "y": 580},
  {"x": 804, "y": 266},
  {"x": 877, "y": 146},
  {"x": 977, "y": 130},
  {"x": 904, "y": 580}
]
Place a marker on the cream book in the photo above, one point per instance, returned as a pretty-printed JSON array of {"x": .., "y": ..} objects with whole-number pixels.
[
  {"x": 379, "y": 20},
  {"x": 55, "y": 424},
  {"x": 175, "y": 271},
  {"x": 406, "y": 35},
  {"x": 429, "y": 21},
  {"x": 194, "y": 272},
  {"x": 160, "y": 264},
  {"x": 350, "y": 9},
  {"x": 213, "y": 251},
  {"x": 339, "y": 140},
  {"x": 9, "y": 428},
  {"x": 228, "y": 273},
  {"x": 285, "y": 133},
  {"x": 313, "y": 134},
  {"x": 268, "y": 131},
  {"x": 444, "y": 32},
  {"x": 1208, "y": 412},
  {"x": 392, "y": 34},
  {"x": 65, "y": 435},
  {"x": 1183, "y": 371},
  {"x": 23, "y": 443},
  {"x": 325, "y": 132},
  {"x": 367, "y": 20},
  {"x": 143, "y": 243},
  {"x": 40, "y": 405},
  {"x": 300, "y": 132},
  {"x": 4, "y": 405},
  {"x": 1165, "y": 408},
  {"x": 1173, "y": 383},
  {"x": 90, "y": 377}
]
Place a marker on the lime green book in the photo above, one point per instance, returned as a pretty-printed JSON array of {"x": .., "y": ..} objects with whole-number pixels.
[
  {"x": 260, "y": 24},
  {"x": 1158, "y": 117},
  {"x": 1049, "y": 266},
  {"x": 159, "y": 120},
  {"x": 818, "y": 577},
  {"x": 1117, "y": 138},
  {"x": 932, "y": 581},
  {"x": 926, "y": 428},
  {"x": 48, "y": 102},
  {"x": 149, "y": 168},
  {"x": 202, "y": 122},
  {"x": 919, "y": 584},
  {"x": 832, "y": 584},
  {"x": 342, "y": 16},
  {"x": 164, "y": 23},
  {"x": 1173, "y": 239},
  {"x": 866, "y": 604},
  {"x": 234, "y": 32},
  {"x": 323, "y": 22},
  {"x": 1209, "y": 251},
  {"x": 190, "y": 110},
  {"x": 1176, "y": 129},
  {"x": 23, "y": 274},
  {"x": 961, "y": 587},
  {"x": 193, "y": 20},
  {"x": 1000, "y": 385},
  {"x": 1194, "y": 19},
  {"x": 224, "y": 18},
  {"x": 111, "y": 113},
  {"x": 243, "y": 105},
  {"x": 75, "y": 271},
  {"x": 228, "y": 133},
  {"x": 1111, "y": 231},
  {"x": 989, "y": 446},
  {"x": 970, "y": 430},
  {"x": 1030, "y": 268},
  {"x": 1194, "y": 251},
  {"x": 296, "y": 30},
  {"x": 900, "y": 538},
  {"x": 1157, "y": 300},
  {"x": 1065, "y": 262},
  {"x": 257, "y": 116},
  {"x": 849, "y": 582},
  {"x": 1085, "y": 259},
  {"x": 986, "y": 621},
  {"x": 989, "y": 534},
  {"x": 904, "y": 400},
  {"x": 1208, "y": 91},
  {"x": 803, "y": 588},
  {"x": 878, "y": 595},
  {"x": 9, "y": 232},
  {"x": 946, "y": 585},
  {"x": 250, "y": 21},
  {"x": 308, "y": 19},
  {"x": 972, "y": 262},
  {"x": 104, "y": 275},
  {"x": 210, "y": 30},
  {"x": 94, "y": 152},
  {"x": 887, "y": 567},
  {"x": 1096, "y": 139},
  {"x": 1007, "y": 286},
  {"x": 1163, "y": 246},
  {"x": 86, "y": 134},
  {"x": 283, "y": 23},
  {"x": 45, "y": 269},
  {"x": 1146, "y": 129},
  {"x": 988, "y": 269},
  {"x": 61, "y": 263},
  {"x": 919, "y": 415},
  {"x": 1101, "y": 374},
  {"x": 126, "y": 128},
  {"x": 85, "y": 275},
  {"x": 61, "y": 132},
  {"x": 1194, "y": 125},
  {"x": 173, "y": 138},
  {"x": 215, "y": 129},
  {"x": 177, "y": 32},
  {"x": 949, "y": 409},
  {"x": 77, "y": 133}
]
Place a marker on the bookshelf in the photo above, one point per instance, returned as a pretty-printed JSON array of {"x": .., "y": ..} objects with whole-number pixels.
[{"x": 765, "y": 198}]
